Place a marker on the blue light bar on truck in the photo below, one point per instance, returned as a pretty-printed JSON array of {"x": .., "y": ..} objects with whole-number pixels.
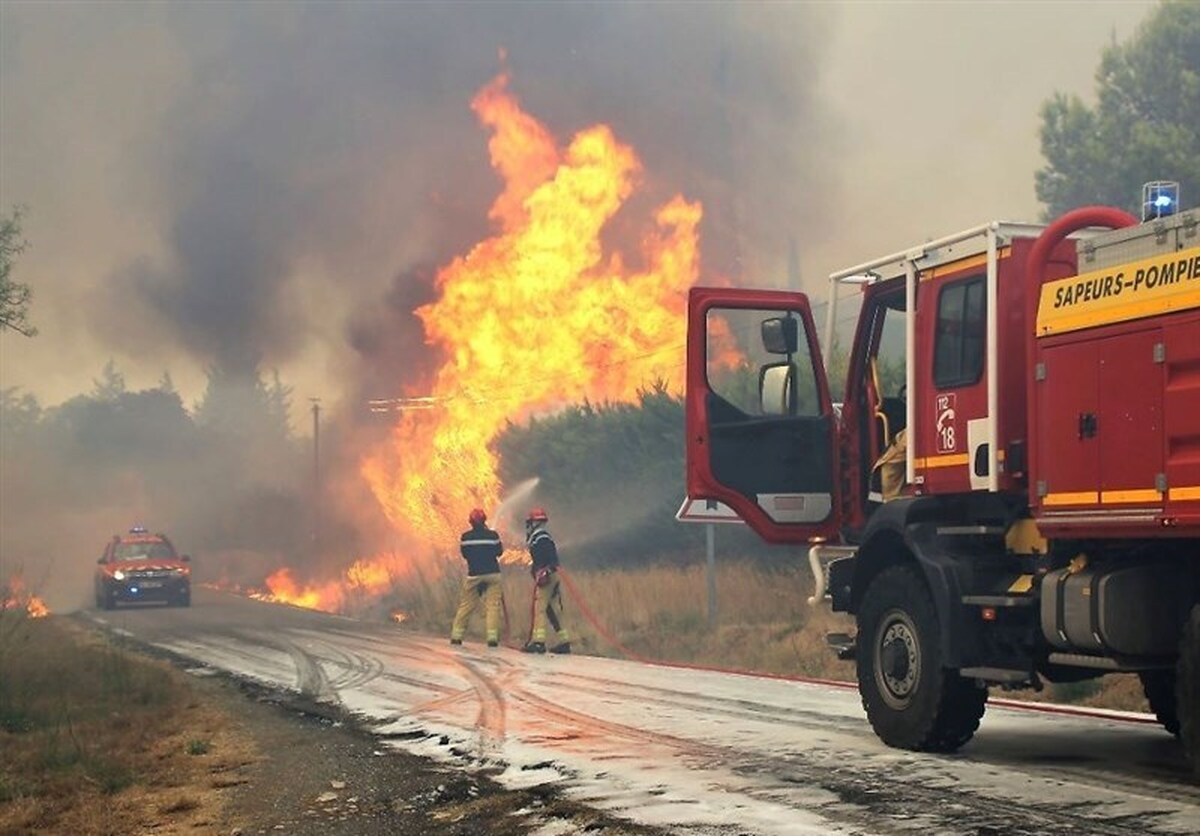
[{"x": 1160, "y": 198}]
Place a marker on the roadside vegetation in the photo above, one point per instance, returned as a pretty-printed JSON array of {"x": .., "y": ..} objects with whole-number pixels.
[{"x": 97, "y": 740}]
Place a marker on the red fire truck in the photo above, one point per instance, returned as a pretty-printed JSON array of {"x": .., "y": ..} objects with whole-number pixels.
[{"x": 1007, "y": 491}]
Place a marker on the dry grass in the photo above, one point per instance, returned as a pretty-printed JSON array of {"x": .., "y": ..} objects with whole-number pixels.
[
  {"x": 96, "y": 740},
  {"x": 764, "y": 622},
  {"x": 660, "y": 613}
]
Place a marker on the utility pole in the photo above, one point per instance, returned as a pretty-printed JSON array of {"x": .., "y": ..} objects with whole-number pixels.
[
  {"x": 793, "y": 265},
  {"x": 316, "y": 499}
]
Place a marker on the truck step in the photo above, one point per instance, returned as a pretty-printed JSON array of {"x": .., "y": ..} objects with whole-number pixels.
[
  {"x": 1002, "y": 675},
  {"x": 998, "y": 600},
  {"x": 969, "y": 530},
  {"x": 843, "y": 644}
]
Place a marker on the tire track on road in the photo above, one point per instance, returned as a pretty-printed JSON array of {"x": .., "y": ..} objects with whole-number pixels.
[{"x": 492, "y": 720}]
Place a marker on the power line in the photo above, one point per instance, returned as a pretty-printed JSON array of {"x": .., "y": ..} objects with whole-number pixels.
[{"x": 422, "y": 403}]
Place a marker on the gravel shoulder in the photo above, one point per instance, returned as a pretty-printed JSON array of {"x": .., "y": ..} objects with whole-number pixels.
[{"x": 313, "y": 771}]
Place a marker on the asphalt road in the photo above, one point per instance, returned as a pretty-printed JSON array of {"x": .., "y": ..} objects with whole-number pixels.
[{"x": 692, "y": 751}]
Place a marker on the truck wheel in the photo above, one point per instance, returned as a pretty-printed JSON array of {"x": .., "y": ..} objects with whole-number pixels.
[
  {"x": 912, "y": 701},
  {"x": 1187, "y": 688},
  {"x": 1159, "y": 687}
]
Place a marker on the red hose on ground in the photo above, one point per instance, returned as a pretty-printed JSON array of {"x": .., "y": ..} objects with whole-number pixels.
[
  {"x": 998, "y": 702},
  {"x": 504, "y": 610},
  {"x": 595, "y": 622}
]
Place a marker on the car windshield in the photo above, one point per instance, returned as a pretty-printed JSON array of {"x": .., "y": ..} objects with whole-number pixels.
[{"x": 143, "y": 551}]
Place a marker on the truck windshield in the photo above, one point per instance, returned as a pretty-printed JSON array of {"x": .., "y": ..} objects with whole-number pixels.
[
  {"x": 143, "y": 551},
  {"x": 837, "y": 356}
]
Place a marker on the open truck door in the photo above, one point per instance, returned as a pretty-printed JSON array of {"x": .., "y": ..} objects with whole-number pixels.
[{"x": 761, "y": 429}]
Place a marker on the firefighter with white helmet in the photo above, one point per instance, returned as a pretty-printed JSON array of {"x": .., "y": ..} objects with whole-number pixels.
[
  {"x": 481, "y": 548},
  {"x": 547, "y": 589}
]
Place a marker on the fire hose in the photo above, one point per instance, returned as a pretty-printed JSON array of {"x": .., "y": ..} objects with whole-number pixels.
[{"x": 616, "y": 644}]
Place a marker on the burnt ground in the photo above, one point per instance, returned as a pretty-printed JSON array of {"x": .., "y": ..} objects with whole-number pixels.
[{"x": 316, "y": 772}]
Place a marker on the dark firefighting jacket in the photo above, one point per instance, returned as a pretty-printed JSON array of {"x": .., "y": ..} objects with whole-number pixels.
[
  {"x": 481, "y": 548},
  {"x": 543, "y": 551}
]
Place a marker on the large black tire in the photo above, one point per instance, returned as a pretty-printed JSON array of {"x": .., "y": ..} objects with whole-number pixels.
[
  {"x": 912, "y": 701},
  {"x": 109, "y": 601},
  {"x": 1187, "y": 688},
  {"x": 1159, "y": 688}
]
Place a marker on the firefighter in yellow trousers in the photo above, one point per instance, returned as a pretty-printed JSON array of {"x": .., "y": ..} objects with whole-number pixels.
[
  {"x": 547, "y": 589},
  {"x": 481, "y": 548}
]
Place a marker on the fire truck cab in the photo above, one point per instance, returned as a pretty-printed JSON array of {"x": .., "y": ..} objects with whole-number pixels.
[{"x": 1008, "y": 487}]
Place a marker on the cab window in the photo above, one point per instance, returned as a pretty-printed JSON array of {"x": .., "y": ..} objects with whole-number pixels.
[{"x": 959, "y": 337}]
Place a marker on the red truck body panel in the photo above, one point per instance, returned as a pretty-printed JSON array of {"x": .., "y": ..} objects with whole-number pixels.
[{"x": 1097, "y": 419}]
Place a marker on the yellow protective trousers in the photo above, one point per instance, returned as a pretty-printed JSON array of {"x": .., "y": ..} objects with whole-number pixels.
[
  {"x": 547, "y": 606},
  {"x": 474, "y": 589}
]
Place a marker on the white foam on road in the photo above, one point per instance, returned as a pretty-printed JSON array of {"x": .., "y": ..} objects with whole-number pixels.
[{"x": 702, "y": 751}]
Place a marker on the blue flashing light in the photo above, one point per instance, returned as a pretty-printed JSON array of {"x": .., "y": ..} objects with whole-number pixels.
[
  {"x": 133, "y": 590},
  {"x": 138, "y": 529},
  {"x": 1160, "y": 199}
]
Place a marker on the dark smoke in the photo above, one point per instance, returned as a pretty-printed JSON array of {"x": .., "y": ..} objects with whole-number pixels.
[
  {"x": 233, "y": 188},
  {"x": 388, "y": 339},
  {"x": 337, "y": 142}
]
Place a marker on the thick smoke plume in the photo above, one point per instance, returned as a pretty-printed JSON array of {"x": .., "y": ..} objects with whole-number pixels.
[
  {"x": 293, "y": 160},
  {"x": 218, "y": 189}
]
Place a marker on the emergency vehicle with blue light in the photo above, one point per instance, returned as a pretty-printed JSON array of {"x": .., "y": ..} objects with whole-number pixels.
[
  {"x": 1007, "y": 491},
  {"x": 139, "y": 566}
]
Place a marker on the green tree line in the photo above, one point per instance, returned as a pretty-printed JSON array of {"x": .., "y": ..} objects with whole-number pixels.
[
  {"x": 227, "y": 476},
  {"x": 1144, "y": 126},
  {"x": 612, "y": 477}
]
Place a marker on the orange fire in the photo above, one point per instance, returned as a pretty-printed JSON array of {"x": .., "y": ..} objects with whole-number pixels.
[
  {"x": 364, "y": 579},
  {"x": 537, "y": 316},
  {"x": 17, "y": 597}
]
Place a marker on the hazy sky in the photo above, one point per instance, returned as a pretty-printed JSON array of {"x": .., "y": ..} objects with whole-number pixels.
[{"x": 243, "y": 183}]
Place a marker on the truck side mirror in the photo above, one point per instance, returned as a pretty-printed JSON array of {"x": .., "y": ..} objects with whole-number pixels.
[
  {"x": 779, "y": 334},
  {"x": 186, "y": 558},
  {"x": 101, "y": 560},
  {"x": 776, "y": 389}
]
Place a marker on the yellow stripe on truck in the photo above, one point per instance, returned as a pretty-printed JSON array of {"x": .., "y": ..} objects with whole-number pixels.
[
  {"x": 1071, "y": 498},
  {"x": 1157, "y": 285},
  {"x": 951, "y": 460},
  {"x": 962, "y": 264},
  {"x": 1141, "y": 495}
]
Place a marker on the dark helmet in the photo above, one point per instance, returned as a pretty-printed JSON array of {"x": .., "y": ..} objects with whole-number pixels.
[
  {"x": 477, "y": 516},
  {"x": 537, "y": 515}
]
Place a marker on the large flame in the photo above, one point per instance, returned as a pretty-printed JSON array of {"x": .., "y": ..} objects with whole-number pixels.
[
  {"x": 537, "y": 316},
  {"x": 365, "y": 579}
]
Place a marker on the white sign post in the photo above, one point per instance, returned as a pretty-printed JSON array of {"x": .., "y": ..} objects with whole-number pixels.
[{"x": 708, "y": 511}]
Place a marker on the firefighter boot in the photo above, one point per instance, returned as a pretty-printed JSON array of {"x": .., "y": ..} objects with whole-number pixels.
[
  {"x": 534, "y": 647},
  {"x": 564, "y": 647}
]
